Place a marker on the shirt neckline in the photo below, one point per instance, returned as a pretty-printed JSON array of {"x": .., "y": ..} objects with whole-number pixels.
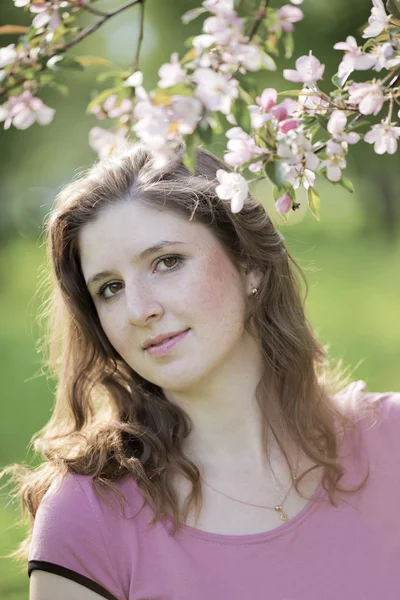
[{"x": 264, "y": 536}]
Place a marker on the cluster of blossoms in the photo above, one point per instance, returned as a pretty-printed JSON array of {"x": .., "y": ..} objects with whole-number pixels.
[
  {"x": 47, "y": 11},
  {"x": 205, "y": 92}
]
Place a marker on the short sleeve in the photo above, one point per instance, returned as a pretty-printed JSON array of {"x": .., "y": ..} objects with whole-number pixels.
[{"x": 67, "y": 540}]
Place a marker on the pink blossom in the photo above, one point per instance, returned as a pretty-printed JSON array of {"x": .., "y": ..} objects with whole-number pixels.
[
  {"x": 24, "y": 110},
  {"x": 220, "y": 7},
  {"x": 295, "y": 148},
  {"x": 284, "y": 109},
  {"x": 354, "y": 58},
  {"x": 335, "y": 162},
  {"x": 171, "y": 73},
  {"x": 384, "y": 137},
  {"x": 296, "y": 1},
  {"x": 287, "y": 15},
  {"x": 215, "y": 90},
  {"x": 108, "y": 143},
  {"x": 242, "y": 147},
  {"x": 134, "y": 80},
  {"x": 225, "y": 29},
  {"x": 383, "y": 54},
  {"x": 268, "y": 99},
  {"x": 378, "y": 20},
  {"x": 298, "y": 175},
  {"x": 256, "y": 166},
  {"x": 152, "y": 123},
  {"x": 8, "y": 54},
  {"x": 337, "y": 126},
  {"x": 115, "y": 110},
  {"x": 258, "y": 117},
  {"x": 185, "y": 113},
  {"x": 283, "y": 204},
  {"x": 250, "y": 56},
  {"x": 312, "y": 101},
  {"x": 47, "y": 15},
  {"x": 288, "y": 125},
  {"x": 266, "y": 109},
  {"x": 368, "y": 96},
  {"x": 308, "y": 70},
  {"x": 232, "y": 187}
]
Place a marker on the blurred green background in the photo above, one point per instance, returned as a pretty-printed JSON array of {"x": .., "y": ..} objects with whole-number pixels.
[{"x": 351, "y": 258}]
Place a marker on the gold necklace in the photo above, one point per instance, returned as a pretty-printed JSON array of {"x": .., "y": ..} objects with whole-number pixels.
[{"x": 277, "y": 508}]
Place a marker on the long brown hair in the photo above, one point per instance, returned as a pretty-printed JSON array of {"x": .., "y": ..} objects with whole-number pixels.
[{"x": 108, "y": 421}]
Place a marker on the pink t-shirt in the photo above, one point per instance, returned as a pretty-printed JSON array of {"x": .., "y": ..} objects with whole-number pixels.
[{"x": 351, "y": 552}]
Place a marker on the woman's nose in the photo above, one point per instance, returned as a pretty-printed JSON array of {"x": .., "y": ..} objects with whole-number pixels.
[{"x": 141, "y": 303}]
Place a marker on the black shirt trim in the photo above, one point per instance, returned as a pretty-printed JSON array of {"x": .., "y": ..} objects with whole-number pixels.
[{"x": 43, "y": 565}]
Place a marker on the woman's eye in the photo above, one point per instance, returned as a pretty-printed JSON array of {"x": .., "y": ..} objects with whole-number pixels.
[
  {"x": 103, "y": 289},
  {"x": 172, "y": 257},
  {"x": 176, "y": 264}
]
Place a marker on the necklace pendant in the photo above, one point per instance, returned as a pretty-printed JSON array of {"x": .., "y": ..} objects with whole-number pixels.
[{"x": 283, "y": 515}]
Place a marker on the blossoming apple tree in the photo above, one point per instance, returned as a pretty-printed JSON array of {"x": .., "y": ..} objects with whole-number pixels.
[{"x": 290, "y": 137}]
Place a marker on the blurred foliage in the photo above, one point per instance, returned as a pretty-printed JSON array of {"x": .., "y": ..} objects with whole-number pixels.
[{"x": 351, "y": 258}]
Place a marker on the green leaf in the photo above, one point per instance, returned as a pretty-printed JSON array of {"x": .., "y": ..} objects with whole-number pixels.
[
  {"x": 270, "y": 171},
  {"x": 347, "y": 184},
  {"x": 10, "y": 29},
  {"x": 178, "y": 89},
  {"x": 368, "y": 44},
  {"x": 277, "y": 193},
  {"x": 62, "y": 88},
  {"x": 340, "y": 81},
  {"x": 294, "y": 93},
  {"x": 88, "y": 61},
  {"x": 393, "y": 7},
  {"x": 100, "y": 98},
  {"x": 240, "y": 111},
  {"x": 314, "y": 202},
  {"x": 61, "y": 62},
  {"x": 280, "y": 174},
  {"x": 101, "y": 77},
  {"x": 245, "y": 96},
  {"x": 268, "y": 63},
  {"x": 189, "y": 160},
  {"x": 222, "y": 123},
  {"x": 189, "y": 56},
  {"x": 288, "y": 44},
  {"x": 205, "y": 134}
]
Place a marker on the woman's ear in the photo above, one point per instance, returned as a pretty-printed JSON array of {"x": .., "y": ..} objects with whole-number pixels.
[{"x": 252, "y": 277}]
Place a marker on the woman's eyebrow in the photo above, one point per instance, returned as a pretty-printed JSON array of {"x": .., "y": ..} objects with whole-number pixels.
[{"x": 137, "y": 258}]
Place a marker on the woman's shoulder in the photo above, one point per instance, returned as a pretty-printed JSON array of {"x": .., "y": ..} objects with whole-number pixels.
[
  {"x": 355, "y": 399},
  {"x": 376, "y": 416},
  {"x": 69, "y": 492}
]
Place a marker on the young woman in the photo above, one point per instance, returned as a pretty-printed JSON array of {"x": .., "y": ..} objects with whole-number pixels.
[{"x": 201, "y": 447}]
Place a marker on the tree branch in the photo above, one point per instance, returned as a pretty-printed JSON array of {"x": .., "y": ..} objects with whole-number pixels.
[
  {"x": 141, "y": 30},
  {"x": 261, "y": 14},
  {"x": 92, "y": 28}
]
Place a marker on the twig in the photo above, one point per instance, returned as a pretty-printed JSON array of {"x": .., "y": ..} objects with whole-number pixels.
[
  {"x": 136, "y": 60},
  {"x": 262, "y": 13},
  {"x": 99, "y": 23},
  {"x": 94, "y": 11},
  {"x": 81, "y": 36}
]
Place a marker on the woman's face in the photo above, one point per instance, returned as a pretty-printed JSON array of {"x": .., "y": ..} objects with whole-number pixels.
[{"x": 188, "y": 284}]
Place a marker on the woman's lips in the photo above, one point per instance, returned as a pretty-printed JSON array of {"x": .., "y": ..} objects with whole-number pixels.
[{"x": 162, "y": 349}]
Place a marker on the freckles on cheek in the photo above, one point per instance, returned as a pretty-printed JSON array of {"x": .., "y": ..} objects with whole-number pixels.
[{"x": 211, "y": 290}]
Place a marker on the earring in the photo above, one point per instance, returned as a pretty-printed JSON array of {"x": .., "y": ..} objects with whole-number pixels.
[{"x": 254, "y": 291}]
